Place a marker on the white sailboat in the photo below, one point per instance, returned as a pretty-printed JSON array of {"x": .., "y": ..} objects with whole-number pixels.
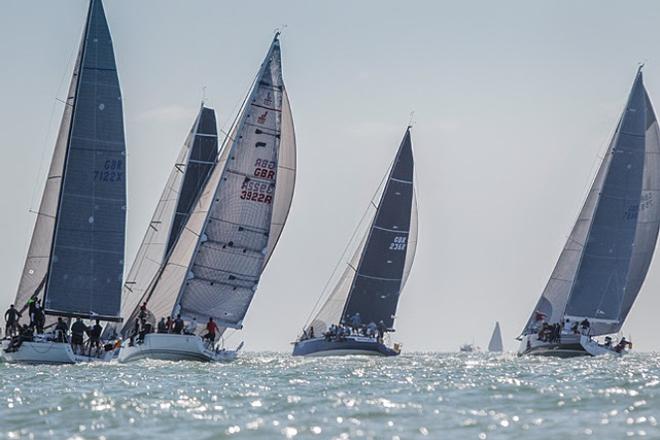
[
  {"x": 495, "y": 344},
  {"x": 362, "y": 306},
  {"x": 75, "y": 260},
  {"x": 214, "y": 267},
  {"x": 607, "y": 256}
]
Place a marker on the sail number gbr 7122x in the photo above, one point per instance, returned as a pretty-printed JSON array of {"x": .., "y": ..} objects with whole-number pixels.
[
  {"x": 260, "y": 191},
  {"x": 113, "y": 171}
]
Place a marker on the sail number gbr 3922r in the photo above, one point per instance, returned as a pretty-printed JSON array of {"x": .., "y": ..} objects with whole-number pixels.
[{"x": 260, "y": 191}]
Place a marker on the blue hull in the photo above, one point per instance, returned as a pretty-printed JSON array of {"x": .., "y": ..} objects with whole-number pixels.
[{"x": 349, "y": 346}]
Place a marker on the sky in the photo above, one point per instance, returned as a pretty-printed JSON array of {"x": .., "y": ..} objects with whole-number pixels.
[{"x": 514, "y": 104}]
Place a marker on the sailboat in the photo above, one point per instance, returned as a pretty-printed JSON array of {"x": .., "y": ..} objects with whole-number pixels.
[
  {"x": 607, "y": 256},
  {"x": 213, "y": 269},
  {"x": 495, "y": 344},
  {"x": 193, "y": 165},
  {"x": 361, "y": 308},
  {"x": 75, "y": 261}
]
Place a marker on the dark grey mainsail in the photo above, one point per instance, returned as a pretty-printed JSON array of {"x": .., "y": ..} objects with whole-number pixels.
[
  {"x": 203, "y": 155},
  {"x": 381, "y": 258},
  {"x": 186, "y": 180},
  {"x": 604, "y": 263},
  {"x": 378, "y": 278},
  {"x": 77, "y": 247}
]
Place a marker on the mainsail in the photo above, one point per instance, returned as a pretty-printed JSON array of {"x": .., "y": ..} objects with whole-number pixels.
[
  {"x": 189, "y": 173},
  {"x": 378, "y": 269},
  {"x": 76, "y": 256},
  {"x": 214, "y": 268},
  {"x": 605, "y": 260},
  {"x": 495, "y": 343}
]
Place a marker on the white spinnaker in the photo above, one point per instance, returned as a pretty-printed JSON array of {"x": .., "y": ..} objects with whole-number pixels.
[
  {"x": 38, "y": 256},
  {"x": 215, "y": 266}
]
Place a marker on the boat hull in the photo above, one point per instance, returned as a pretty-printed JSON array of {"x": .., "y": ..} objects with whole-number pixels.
[
  {"x": 172, "y": 347},
  {"x": 351, "y": 345},
  {"x": 569, "y": 346},
  {"x": 49, "y": 352}
]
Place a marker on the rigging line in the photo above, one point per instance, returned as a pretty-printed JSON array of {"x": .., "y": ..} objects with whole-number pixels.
[{"x": 359, "y": 226}]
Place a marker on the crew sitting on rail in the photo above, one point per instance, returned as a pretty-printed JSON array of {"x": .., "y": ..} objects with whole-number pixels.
[{"x": 623, "y": 343}]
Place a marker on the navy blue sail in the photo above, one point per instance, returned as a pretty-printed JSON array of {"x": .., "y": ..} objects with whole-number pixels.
[
  {"x": 87, "y": 255},
  {"x": 380, "y": 273},
  {"x": 200, "y": 163}
]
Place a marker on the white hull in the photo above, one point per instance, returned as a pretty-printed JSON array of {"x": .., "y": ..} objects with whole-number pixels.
[
  {"x": 170, "y": 347},
  {"x": 569, "y": 346},
  {"x": 49, "y": 352}
]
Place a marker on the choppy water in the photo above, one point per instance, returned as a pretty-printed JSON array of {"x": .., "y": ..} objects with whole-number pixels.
[{"x": 266, "y": 396}]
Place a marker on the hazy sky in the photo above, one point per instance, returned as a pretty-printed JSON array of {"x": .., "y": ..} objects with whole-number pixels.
[{"x": 514, "y": 103}]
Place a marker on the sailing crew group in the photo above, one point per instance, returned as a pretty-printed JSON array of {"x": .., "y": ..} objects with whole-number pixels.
[{"x": 176, "y": 326}]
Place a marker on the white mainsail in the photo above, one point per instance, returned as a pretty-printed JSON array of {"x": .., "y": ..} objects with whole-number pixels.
[
  {"x": 495, "y": 343},
  {"x": 214, "y": 268}
]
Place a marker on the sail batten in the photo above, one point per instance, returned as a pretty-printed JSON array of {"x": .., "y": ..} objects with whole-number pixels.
[{"x": 606, "y": 258}]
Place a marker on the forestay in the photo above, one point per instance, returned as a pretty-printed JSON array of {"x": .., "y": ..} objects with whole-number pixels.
[
  {"x": 82, "y": 214},
  {"x": 605, "y": 260},
  {"x": 186, "y": 180},
  {"x": 379, "y": 267},
  {"x": 215, "y": 266}
]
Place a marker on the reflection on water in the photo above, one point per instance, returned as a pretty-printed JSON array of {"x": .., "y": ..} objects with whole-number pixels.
[{"x": 267, "y": 395}]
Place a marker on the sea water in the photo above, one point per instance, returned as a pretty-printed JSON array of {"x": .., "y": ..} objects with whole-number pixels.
[{"x": 273, "y": 395}]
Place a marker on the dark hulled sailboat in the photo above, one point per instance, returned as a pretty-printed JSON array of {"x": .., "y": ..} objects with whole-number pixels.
[{"x": 362, "y": 306}]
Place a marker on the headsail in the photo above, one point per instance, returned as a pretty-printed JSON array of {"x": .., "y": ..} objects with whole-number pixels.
[
  {"x": 604, "y": 263},
  {"x": 77, "y": 251},
  {"x": 495, "y": 343},
  {"x": 215, "y": 266},
  {"x": 377, "y": 272},
  {"x": 184, "y": 185}
]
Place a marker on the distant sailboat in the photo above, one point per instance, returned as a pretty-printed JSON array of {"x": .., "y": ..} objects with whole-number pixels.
[
  {"x": 214, "y": 267},
  {"x": 75, "y": 261},
  {"x": 495, "y": 344},
  {"x": 605, "y": 260},
  {"x": 368, "y": 292}
]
